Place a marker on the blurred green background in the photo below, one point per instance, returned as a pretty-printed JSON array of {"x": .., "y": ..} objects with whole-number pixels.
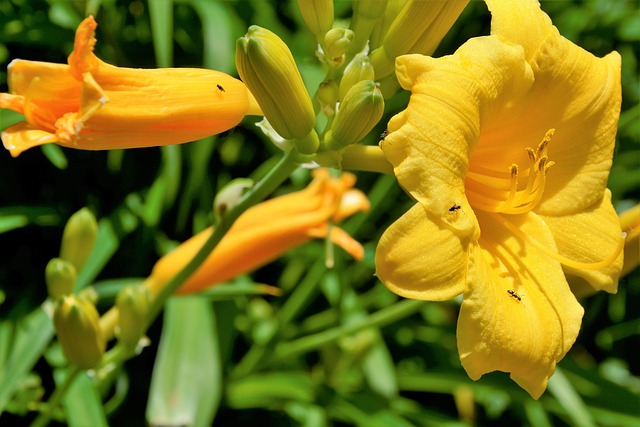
[{"x": 401, "y": 370}]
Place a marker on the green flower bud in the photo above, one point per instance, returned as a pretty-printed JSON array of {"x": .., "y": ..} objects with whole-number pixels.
[
  {"x": 77, "y": 325},
  {"x": 337, "y": 41},
  {"x": 359, "y": 69},
  {"x": 384, "y": 22},
  {"x": 267, "y": 67},
  {"x": 230, "y": 195},
  {"x": 328, "y": 97},
  {"x": 317, "y": 14},
  {"x": 429, "y": 22},
  {"x": 365, "y": 15},
  {"x": 78, "y": 237},
  {"x": 359, "y": 112},
  {"x": 60, "y": 276},
  {"x": 133, "y": 303}
]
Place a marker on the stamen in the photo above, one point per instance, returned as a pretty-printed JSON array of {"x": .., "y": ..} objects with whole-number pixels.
[
  {"x": 578, "y": 265},
  {"x": 485, "y": 191}
]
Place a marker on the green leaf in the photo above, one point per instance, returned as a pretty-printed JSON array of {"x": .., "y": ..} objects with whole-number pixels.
[
  {"x": 30, "y": 337},
  {"x": 187, "y": 375},
  {"x": 161, "y": 12},
  {"x": 81, "y": 402},
  {"x": 572, "y": 403},
  {"x": 270, "y": 389}
]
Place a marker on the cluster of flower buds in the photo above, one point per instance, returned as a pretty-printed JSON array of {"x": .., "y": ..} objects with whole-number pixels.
[
  {"x": 75, "y": 316},
  {"x": 360, "y": 61}
]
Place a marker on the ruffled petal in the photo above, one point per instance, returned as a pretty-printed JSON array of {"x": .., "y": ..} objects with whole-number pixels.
[
  {"x": 420, "y": 258},
  {"x": 430, "y": 143},
  {"x": 518, "y": 314},
  {"x": 591, "y": 236},
  {"x": 575, "y": 93}
]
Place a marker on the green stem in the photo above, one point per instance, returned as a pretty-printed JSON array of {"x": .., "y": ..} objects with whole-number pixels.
[
  {"x": 276, "y": 176},
  {"x": 382, "y": 317},
  {"x": 54, "y": 401},
  {"x": 369, "y": 158},
  {"x": 297, "y": 301}
]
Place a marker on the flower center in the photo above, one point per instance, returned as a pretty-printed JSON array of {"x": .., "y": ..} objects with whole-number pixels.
[{"x": 511, "y": 191}]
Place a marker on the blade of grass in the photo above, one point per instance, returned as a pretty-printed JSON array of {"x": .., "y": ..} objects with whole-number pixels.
[
  {"x": 161, "y": 14},
  {"x": 30, "y": 337}
]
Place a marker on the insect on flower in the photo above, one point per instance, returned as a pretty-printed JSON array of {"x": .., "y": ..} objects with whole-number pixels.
[
  {"x": 220, "y": 88},
  {"x": 454, "y": 208},
  {"x": 384, "y": 134},
  {"x": 514, "y": 294}
]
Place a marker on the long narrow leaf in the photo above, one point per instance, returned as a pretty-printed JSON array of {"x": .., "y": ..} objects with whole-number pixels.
[{"x": 186, "y": 380}]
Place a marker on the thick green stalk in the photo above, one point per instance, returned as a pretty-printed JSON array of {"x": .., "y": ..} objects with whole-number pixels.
[{"x": 55, "y": 399}]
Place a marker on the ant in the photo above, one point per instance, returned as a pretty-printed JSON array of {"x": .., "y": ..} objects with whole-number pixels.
[
  {"x": 384, "y": 134},
  {"x": 220, "y": 88},
  {"x": 514, "y": 294},
  {"x": 454, "y": 208}
]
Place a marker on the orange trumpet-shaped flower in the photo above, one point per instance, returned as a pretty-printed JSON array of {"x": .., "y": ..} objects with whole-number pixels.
[
  {"x": 268, "y": 230},
  {"x": 91, "y": 105}
]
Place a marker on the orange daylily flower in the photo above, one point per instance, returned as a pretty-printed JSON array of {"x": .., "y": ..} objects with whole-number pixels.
[
  {"x": 266, "y": 231},
  {"x": 91, "y": 105}
]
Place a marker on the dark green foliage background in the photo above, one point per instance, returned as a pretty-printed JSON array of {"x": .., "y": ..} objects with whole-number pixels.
[{"x": 161, "y": 196}]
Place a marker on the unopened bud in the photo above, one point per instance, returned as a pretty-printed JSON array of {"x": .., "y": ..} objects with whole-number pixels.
[
  {"x": 384, "y": 22},
  {"x": 317, "y": 14},
  {"x": 328, "y": 97},
  {"x": 359, "y": 112},
  {"x": 429, "y": 22},
  {"x": 78, "y": 329},
  {"x": 133, "y": 303},
  {"x": 267, "y": 67},
  {"x": 230, "y": 195},
  {"x": 337, "y": 41},
  {"x": 365, "y": 15},
  {"x": 359, "y": 69},
  {"x": 78, "y": 237},
  {"x": 60, "y": 276}
]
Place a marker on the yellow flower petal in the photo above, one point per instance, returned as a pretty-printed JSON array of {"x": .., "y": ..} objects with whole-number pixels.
[
  {"x": 431, "y": 152},
  {"x": 589, "y": 237},
  {"x": 630, "y": 223},
  {"x": 511, "y": 319},
  {"x": 575, "y": 93},
  {"x": 420, "y": 258}
]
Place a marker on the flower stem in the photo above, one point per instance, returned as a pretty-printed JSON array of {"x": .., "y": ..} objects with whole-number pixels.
[
  {"x": 54, "y": 401},
  {"x": 380, "y": 318},
  {"x": 368, "y": 158}
]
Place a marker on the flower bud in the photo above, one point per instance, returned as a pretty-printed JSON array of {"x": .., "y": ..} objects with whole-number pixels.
[
  {"x": 429, "y": 22},
  {"x": 60, "y": 276},
  {"x": 384, "y": 22},
  {"x": 337, "y": 41},
  {"x": 77, "y": 325},
  {"x": 133, "y": 303},
  {"x": 359, "y": 112},
  {"x": 267, "y": 67},
  {"x": 317, "y": 14},
  {"x": 78, "y": 237},
  {"x": 230, "y": 195},
  {"x": 359, "y": 69},
  {"x": 328, "y": 97},
  {"x": 365, "y": 15}
]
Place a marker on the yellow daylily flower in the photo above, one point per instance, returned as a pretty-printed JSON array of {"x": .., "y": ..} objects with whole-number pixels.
[
  {"x": 630, "y": 223},
  {"x": 506, "y": 146},
  {"x": 267, "y": 230},
  {"x": 91, "y": 105}
]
